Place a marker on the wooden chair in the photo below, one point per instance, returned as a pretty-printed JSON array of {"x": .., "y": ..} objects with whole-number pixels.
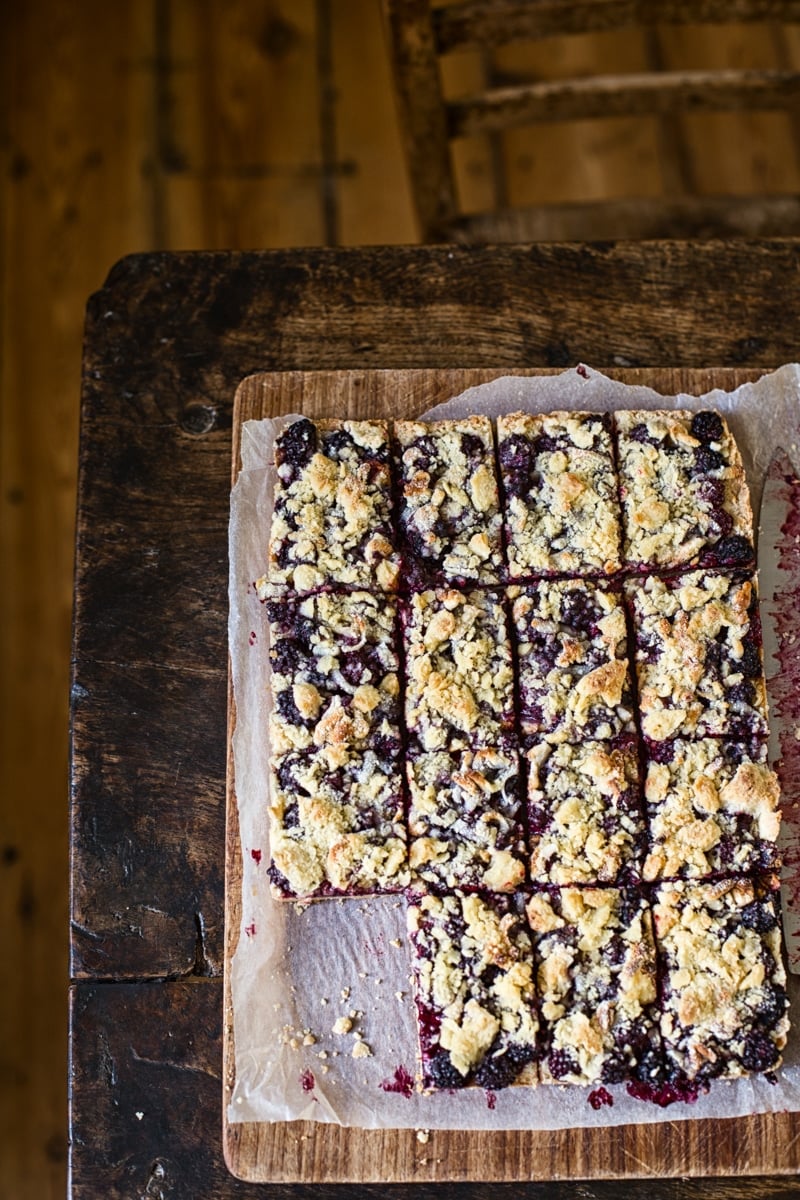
[{"x": 420, "y": 33}]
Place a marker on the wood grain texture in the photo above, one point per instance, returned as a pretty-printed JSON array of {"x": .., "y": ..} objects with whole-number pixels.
[
  {"x": 263, "y": 1152},
  {"x": 63, "y": 153}
]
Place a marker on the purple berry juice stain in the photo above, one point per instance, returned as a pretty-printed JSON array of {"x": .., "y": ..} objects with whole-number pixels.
[
  {"x": 256, "y": 857},
  {"x": 402, "y": 1083},
  {"x": 600, "y": 1097},
  {"x": 307, "y": 1080}
]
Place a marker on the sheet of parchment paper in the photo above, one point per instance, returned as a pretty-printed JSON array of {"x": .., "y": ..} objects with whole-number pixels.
[{"x": 301, "y": 972}]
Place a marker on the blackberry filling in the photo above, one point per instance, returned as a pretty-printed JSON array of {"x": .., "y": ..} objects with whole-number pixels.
[
  {"x": 706, "y": 460},
  {"x": 561, "y": 1063},
  {"x": 502, "y": 1066},
  {"x": 443, "y": 1074},
  {"x": 707, "y": 426},
  {"x": 760, "y": 1052},
  {"x": 298, "y": 444}
]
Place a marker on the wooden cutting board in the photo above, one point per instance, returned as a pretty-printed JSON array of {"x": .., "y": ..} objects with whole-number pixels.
[{"x": 317, "y": 1153}]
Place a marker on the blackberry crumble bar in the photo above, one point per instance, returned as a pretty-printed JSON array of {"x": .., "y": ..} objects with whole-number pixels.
[
  {"x": 334, "y": 666},
  {"x": 585, "y": 819},
  {"x": 464, "y": 820},
  {"x": 574, "y": 677},
  {"x": 596, "y": 980},
  {"x": 698, "y": 656},
  {"x": 336, "y": 824},
  {"x": 450, "y": 519},
  {"x": 331, "y": 523},
  {"x": 683, "y": 490},
  {"x": 474, "y": 991},
  {"x": 460, "y": 684},
  {"x": 561, "y": 508},
  {"x": 712, "y": 808},
  {"x": 724, "y": 996}
]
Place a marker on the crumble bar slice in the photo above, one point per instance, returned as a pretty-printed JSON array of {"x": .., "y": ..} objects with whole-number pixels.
[
  {"x": 574, "y": 676},
  {"x": 459, "y": 685},
  {"x": 561, "y": 508},
  {"x": 450, "y": 519},
  {"x": 331, "y": 524},
  {"x": 474, "y": 991},
  {"x": 585, "y": 818},
  {"x": 334, "y": 665},
  {"x": 464, "y": 820},
  {"x": 698, "y": 656},
  {"x": 724, "y": 998},
  {"x": 683, "y": 489},
  {"x": 336, "y": 824},
  {"x": 712, "y": 808},
  {"x": 596, "y": 979}
]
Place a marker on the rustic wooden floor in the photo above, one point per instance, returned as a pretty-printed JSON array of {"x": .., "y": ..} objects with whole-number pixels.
[{"x": 175, "y": 124}]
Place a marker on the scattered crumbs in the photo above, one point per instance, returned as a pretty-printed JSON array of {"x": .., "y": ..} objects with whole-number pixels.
[
  {"x": 400, "y": 995},
  {"x": 345, "y": 993},
  {"x": 423, "y": 1135},
  {"x": 300, "y": 908},
  {"x": 238, "y": 1099},
  {"x": 358, "y": 1035},
  {"x": 322, "y": 1054},
  {"x": 378, "y": 981},
  {"x": 342, "y": 1025},
  {"x": 139, "y": 1116},
  {"x": 294, "y": 1043},
  {"x": 324, "y": 1000},
  {"x": 362, "y": 974},
  {"x": 396, "y": 942},
  {"x": 335, "y": 1053},
  {"x": 361, "y": 1050},
  {"x": 309, "y": 1040},
  {"x": 325, "y": 1069},
  {"x": 355, "y": 1013}
]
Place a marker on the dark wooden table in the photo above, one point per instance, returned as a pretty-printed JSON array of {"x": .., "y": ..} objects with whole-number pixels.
[{"x": 167, "y": 341}]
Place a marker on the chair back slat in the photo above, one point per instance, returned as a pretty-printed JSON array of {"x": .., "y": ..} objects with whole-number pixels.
[
  {"x": 423, "y": 117},
  {"x": 622, "y": 96},
  {"x": 649, "y": 218},
  {"x": 498, "y": 22}
]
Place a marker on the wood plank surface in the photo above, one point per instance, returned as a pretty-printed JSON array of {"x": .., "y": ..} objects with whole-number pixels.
[
  {"x": 74, "y": 131},
  {"x": 310, "y": 1152}
]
